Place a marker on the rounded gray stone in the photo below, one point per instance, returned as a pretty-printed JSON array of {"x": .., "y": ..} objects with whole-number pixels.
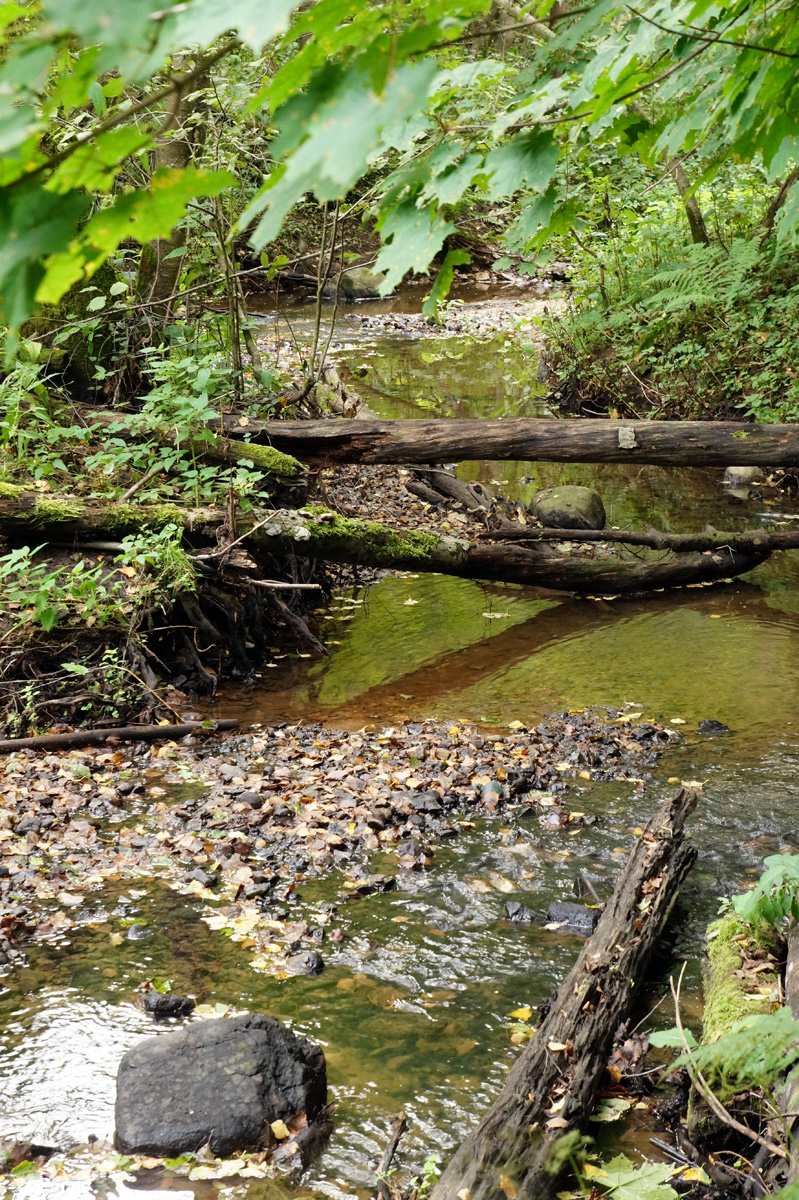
[{"x": 569, "y": 507}]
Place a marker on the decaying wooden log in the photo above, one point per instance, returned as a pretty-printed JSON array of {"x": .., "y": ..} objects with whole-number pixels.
[
  {"x": 332, "y": 538},
  {"x": 526, "y": 439},
  {"x": 552, "y": 1087},
  {"x": 125, "y": 733}
]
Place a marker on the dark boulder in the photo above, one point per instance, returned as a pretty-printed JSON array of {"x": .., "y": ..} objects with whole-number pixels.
[
  {"x": 711, "y": 728},
  {"x": 223, "y": 1081},
  {"x": 569, "y": 507},
  {"x": 519, "y": 913},
  {"x": 573, "y": 918},
  {"x": 160, "y": 1005}
]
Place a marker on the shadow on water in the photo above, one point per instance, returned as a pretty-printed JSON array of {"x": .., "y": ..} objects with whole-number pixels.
[{"x": 412, "y": 1007}]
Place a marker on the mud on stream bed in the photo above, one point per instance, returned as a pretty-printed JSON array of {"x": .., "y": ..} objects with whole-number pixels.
[{"x": 413, "y": 1007}]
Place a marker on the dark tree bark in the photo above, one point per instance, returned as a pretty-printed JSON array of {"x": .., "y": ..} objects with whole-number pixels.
[{"x": 551, "y": 1088}]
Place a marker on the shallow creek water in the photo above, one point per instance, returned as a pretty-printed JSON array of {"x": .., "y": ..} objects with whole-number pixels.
[{"x": 412, "y": 1009}]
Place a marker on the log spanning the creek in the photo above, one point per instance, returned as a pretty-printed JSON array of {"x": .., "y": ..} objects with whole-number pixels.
[
  {"x": 550, "y": 1090},
  {"x": 535, "y": 439},
  {"x": 318, "y": 533}
]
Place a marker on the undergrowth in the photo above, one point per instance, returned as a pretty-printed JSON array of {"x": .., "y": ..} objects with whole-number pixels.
[{"x": 709, "y": 335}]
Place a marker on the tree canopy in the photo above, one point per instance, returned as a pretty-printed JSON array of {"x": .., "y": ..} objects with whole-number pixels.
[{"x": 332, "y": 90}]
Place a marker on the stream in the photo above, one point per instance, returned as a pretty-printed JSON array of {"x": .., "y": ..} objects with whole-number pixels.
[{"x": 413, "y": 1010}]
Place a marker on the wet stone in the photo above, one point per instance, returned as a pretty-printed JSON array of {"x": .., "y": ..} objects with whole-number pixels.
[
  {"x": 711, "y": 728},
  {"x": 251, "y": 798},
  {"x": 573, "y": 918},
  {"x": 206, "y": 878},
  {"x": 308, "y": 962},
  {"x": 162, "y": 1006},
  {"x": 519, "y": 913},
  {"x": 223, "y": 1081}
]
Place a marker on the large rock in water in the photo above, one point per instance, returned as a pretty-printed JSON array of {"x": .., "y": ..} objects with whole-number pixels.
[
  {"x": 222, "y": 1081},
  {"x": 569, "y": 507},
  {"x": 356, "y": 283}
]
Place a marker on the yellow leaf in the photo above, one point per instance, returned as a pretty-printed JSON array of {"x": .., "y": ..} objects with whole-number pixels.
[
  {"x": 508, "y": 1187},
  {"x": 521, "y": 1014},
  {"x": 557, "y": 1123},
  {"x": 554, "y": 1046},
  {"x": 279, "y": 1129}
]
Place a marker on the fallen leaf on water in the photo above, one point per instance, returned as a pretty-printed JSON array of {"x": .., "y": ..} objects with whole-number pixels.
[
  {"x": 409, "y": 602},
  {"x": 521, "y": 1014},
  {"x": 70, "y": 899},
  {"x": 495, "y": 616}
]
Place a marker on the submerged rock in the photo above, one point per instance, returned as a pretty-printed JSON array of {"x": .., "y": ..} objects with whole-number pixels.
[
  {"x": 223, "y": 1081},
  {"x": 519, "y": 913},
  {"x": 740, "y": 477},
  {"x": 569, "y": 507},
  {"x": 712, "y": 728}
]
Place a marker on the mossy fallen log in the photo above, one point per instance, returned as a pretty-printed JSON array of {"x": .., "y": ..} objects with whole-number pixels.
[
  {"x": 740, "y": 978},
  {"x": 519, "y": 1147},
  {"x": 317, "y": 532}
]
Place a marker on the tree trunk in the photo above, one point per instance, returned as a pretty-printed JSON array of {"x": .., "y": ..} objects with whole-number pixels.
[
  {"x": 333, "y": 538},
  {"x": 551, "y": 1088},
  {"x": 527, "y": 439},
  {"x": 160, "y": 264},
  {"x": 693, "y": 212}
]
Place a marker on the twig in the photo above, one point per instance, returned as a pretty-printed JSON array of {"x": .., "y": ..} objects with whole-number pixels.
[
  {"x": 278, "y": 586},
  {"x": 151, "y": 474},
  {"x": 704, "y": 1089}
]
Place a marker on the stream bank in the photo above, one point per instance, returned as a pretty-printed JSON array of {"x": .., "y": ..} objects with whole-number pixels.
[{"x": 414, "y": 1005}]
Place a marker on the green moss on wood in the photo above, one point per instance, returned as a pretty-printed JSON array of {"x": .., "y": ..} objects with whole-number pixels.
[
  {"x": 55, "y": 510},
  {"x": 264, "y": 458},
  {"x": 378, "y": 545},
  {"x": 123, "y": 517},
  {"x": 10, "y": 491},
  {"x": 729, "y": 998}
]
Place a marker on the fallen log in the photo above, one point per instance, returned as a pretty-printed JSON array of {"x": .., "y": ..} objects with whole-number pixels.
[
  {"x": 536, "y": 439},
  {"x": 550, "y": 1090},
  {"x": 333, "y": 538},
  {"x": 125, "y": 733},
  {"x": 656, "y": 539}
]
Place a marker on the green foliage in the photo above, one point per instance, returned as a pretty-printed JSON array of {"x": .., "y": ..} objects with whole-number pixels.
[
  {"x": 34, "y": 591},
  {"x": 775, "y": 896},
  {"x": 161, "y": 558},
  {"x": 756, "y": 1052},
  {"x": 622, "y": 1180}
]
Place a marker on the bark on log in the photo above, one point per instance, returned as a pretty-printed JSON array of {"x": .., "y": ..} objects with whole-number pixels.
[
  {"x": 513, "y": 1145},
  {"x": 126, "y": 733},
  {"x": 333, "y": 538},
  {"x": 656, "y": 539},
  {"x": 667, "y": 443}
]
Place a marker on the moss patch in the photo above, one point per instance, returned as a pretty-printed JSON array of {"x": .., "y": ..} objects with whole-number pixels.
[
  {"x": 264, "y": 458},
  {"x": 10, "y": 491},
  {"x": 377, "y": 544},
  {"x": 730, "y": 997},
  {"x": 50, "y": 510},
  {"x": 129, "y": 517}
]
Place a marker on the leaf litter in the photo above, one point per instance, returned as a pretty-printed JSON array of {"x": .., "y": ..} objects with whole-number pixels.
[{"x": 261, "y": 812}]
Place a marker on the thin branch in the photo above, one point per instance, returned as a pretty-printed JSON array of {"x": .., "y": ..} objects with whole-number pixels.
[
  {"x": 703, "y": 36},
  {"x": 117, "y": 118}
]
